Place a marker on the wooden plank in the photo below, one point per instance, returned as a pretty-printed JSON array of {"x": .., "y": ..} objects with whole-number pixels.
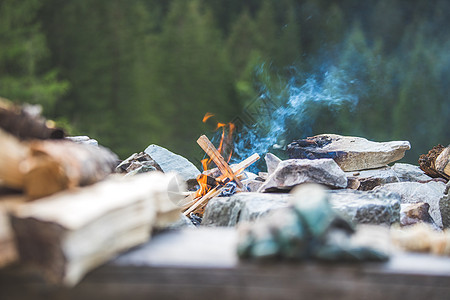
[
  {"x": 196, "y": 263},
  {"x": 202, "y": 263},
  {"x": 212, "y": 152}
]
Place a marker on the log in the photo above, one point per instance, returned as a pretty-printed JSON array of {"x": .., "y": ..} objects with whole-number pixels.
[
  {"x": 436, "y": 163},
  {"x": 68, "y": 234},
  {"x": 443, "y": 163},
  {"x": 12, "y": 154},
  {"x": 8, "y": 250},
  {"x": 25, "y": 122},
  {"x": 212, "y": 152},
  {"x": 44, "y": 167}
]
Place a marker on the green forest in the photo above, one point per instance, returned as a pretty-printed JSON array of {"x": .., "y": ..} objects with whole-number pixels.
[{"x": 130, "y": 73}]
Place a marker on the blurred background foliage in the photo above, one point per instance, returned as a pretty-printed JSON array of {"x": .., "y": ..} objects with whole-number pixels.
[{"x": 132, "y": 73}]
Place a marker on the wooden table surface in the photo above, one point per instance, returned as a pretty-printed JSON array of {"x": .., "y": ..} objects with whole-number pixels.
[{"x": 202, "y": 264}]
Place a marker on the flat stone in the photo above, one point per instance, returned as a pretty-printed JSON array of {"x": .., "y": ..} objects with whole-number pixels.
[
  {"x": 371, "y": 207},
  {"x": 82, "y": 139},
  {"x": 369, "y": 179},
  {"x": 354, "y": 206},
  {"x": 408, "y": 172},
  {"x": 415, "y": 192},
  {"x": 171, "y": 162},
  {"x": 292, "y": 172},
  {"x": 350, "y": 153},
  {"x": 411, "y": 214},
  {"x": 241, "y": 207},
  {"x": 272, "y": 162}
]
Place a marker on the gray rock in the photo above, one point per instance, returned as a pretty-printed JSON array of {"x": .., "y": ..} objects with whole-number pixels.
[
  {"x": 229, "y": 211},
  {"x": 292, "y": 172},
  {"x": 138, "y": 163},
  {"x": 350, "y": 153},
  {"x": 414, "y": 192},
  {"x": 369, "y": 179},
  {"x": 182, "y": 222},
  {"x": 272, "y": 162},
  {"x": 82, "y": 139},
  {"x": 444, "y": 207},
  {"x": 253, "y": 185},
  {"x": 408, "y": 172},
  {"x": 354, "y": 206},
  {"x": 171, "y": 162},
  {"x": 367, "y": 207},
  {"x": 411, "y": 214},
  {"x": 309, "y": 228}
]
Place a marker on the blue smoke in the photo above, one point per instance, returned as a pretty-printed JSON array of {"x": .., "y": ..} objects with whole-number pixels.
[{"x": 287, "y": 109}]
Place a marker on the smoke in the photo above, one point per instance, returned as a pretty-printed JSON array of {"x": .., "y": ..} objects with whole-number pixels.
[{"x": 288, "y": 109}]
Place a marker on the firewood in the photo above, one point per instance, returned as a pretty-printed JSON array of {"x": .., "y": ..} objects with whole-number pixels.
[
  {"x": 203, "y": 200},
  {"x": 12, "y": 154},
  {"x": 212, "y": 152},
  {"x": 191, "y": 204},
  {"x": 443, "y": 162},
  {"x": 68, "y": 234},
  {"x": 8, "y": 250},
  {"x": 240, "y": 167},
  {"x": 436, "y": 162},
  {"x": 43, "y": 167},
  {"x": 25, "y": 122},
  {"x": 57, "y": 165}
]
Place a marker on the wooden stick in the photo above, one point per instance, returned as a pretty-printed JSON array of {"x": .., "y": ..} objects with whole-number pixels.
[
  {"x": 211, "y": 194},
  {"x": 240, "y": 167},
  {"x": 237, "y": 169},
  {"x": 212, "y": 152}
]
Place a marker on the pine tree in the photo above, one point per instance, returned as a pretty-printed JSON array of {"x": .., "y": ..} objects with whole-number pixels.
[
  {"x": 193, "y": 74},
  {"x": 23, "y": 52}
]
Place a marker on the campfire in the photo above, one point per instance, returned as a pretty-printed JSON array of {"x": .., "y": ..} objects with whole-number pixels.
[{"x": 211, "y": 183}]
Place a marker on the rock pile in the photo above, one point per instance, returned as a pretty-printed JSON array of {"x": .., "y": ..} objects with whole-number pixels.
[
  {"x": 368, "y": 192},
  {"x": 362, "y": 188}
]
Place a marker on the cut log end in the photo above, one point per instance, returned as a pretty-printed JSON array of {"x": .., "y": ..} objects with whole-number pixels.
[{"x": 436, "y": 163}]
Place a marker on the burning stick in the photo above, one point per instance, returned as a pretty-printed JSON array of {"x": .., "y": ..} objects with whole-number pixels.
[
  {"x": 212, "y": 152},
  {"x": 237, "y": 169},
  {"x": 203, "y": 200},
  {"x": 234, "y": 171}
]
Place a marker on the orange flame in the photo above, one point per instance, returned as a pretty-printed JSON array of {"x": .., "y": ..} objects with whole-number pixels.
[
  {"x": 225, "y": 145},
  {"x": 207, "y": 117},
  {"x": 202, "y": 181}
]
